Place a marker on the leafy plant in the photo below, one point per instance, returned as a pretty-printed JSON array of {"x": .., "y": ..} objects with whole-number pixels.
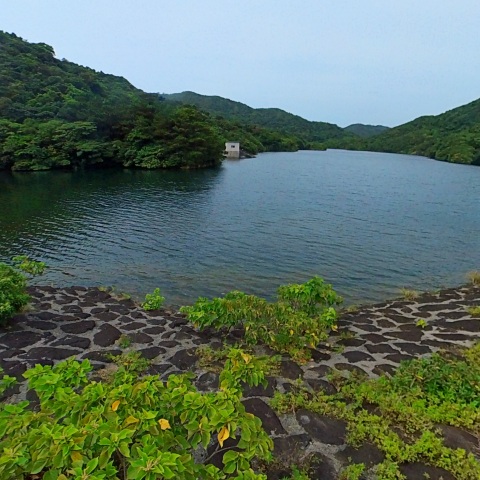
[
  {"x": 300, "y": 318},
  {"x": 421, "y": 323},
  {"x": 13, "y": 283},
  {"x": 132, "y": 428},
  {"x": 124, "y": 341},
  {"x": 153, "y": 301}
]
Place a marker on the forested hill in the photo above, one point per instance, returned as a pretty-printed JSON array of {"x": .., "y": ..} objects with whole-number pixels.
[
  {"x": 453, "y": 136},
  {"x": 56, "y": 114},
  {"x": 274, "y": 118}
]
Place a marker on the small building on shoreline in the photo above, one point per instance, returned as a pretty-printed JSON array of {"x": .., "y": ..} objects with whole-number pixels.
[{"x": 232, "y": 150}]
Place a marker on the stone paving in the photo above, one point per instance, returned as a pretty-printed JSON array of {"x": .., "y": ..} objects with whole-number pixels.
[{"x": 88, "y": 323}]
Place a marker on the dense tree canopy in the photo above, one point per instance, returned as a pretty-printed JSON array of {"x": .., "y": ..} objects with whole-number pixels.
[{"x": 56, "y": 114}]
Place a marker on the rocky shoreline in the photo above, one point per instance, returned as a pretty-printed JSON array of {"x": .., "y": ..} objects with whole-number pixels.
[{"x": 88, "y": 323}]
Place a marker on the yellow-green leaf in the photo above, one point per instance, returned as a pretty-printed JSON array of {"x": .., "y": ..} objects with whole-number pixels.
[
  {"x": 131, "y": 419},
  {"x": 223, "y": 434}
]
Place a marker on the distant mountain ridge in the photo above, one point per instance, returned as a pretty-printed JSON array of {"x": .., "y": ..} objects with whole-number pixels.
[
  {"x": 273, "y": 118},
  {"x": 366, "y": 131}
]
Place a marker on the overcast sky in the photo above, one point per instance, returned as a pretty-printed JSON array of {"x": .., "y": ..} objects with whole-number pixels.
[{"x": 340, "y": 61}]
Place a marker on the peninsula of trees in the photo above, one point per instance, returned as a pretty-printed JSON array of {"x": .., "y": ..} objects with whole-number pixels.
[{"x": 56, "y": 114}]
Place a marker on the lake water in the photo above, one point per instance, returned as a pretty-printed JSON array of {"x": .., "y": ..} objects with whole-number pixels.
[{"x": 369, "y": 223}]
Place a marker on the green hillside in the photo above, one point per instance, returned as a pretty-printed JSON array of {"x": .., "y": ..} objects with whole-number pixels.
[
  {"x": 453, "y": 136},
  {"x": 273, "y": 118},
  {"x": 56, "y": 114}
]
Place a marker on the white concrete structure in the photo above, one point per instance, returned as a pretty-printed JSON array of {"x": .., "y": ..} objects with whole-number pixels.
[{"x": 232, "y": 150}]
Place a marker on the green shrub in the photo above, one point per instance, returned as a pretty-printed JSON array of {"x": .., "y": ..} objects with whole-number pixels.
[
  {"x": 12, "y": 292},
  {"x": 153, "y": 301},
  {"x": 130, "y": 428},
  {"x": 13, "y": 283},
  {"x": 300, "y": 318}
]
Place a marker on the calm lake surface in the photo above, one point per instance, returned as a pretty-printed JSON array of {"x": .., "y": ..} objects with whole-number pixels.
[{"x": 369, "y": 223}]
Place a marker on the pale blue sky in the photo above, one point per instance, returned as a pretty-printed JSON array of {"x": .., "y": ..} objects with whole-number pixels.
[{"x": 340, "y": 61}]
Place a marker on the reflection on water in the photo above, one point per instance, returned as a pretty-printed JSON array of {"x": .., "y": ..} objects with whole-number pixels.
[{"x": 369, "y": 223}]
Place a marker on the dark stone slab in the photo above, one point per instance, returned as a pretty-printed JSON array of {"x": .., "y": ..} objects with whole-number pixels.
[
  {"x": 322, "y": 428},
  {"x": 322, "y": 468},
  {"x": 97, "y": 295},
  {"x": 96, "y": 310},
  {"x": 323, "y": 385},
  {"x": 351, "y": 342},
  {"x": 133, "y": 326},
  {"x": 435, "y": 343},
  {"x": 413, "y": 348},
  {"x": 45, "y": 315},
  {"x": 106, "y": 336},
  {"x": 139, "y": 337},
  {"x": 138, "y": 315},
  {"x": 383, "y": 368},
  {"x": 468, "y": 325},
  {"x": 120, "y": 309},
  {"x": 50, "y": 353},
  {"x": 207, "y": 382},
  {"x": 381, "y": 348},
  {"x": 183, "y": 335},
  {"x": 101, "y": 356},
  {"x": 78, "y": 327},
  {"x": 41, "y": 325},
  {"x": 158, "y": 369},
  {"x": 20, "y": 339},
  {"x": 374, "y": 338},
  {"x": 453, "y": 337},
  {"x": 270, "y": 422},
  {"x": 322, "y": 370},
  {"x": 318, "y": 356},
  {"x": 184, "y": 359},
  {"x": 10, "y": 352},
  {"x": 154, "y": 330},
  {"x": 350, "y": 368},
  {"x": 290, "y": 370},
  {"x": 152, "y": 352},
  {"x": 356, "y": 356},
  {"x": 169, "y": 343},
  {"x": 453, "y": 315},
  {"x": 434, "y": 307},
  {"x": 395, "y": 317},
  {"x": 420, "y": 471},
  {"x": 284, "y": 446},
  {"x": 454, "y": 437},
  {"x": 260, "y": 390},
  {"x": 399, "y": 357},
  {"x": 409, "y": 335},
  {"x": 179, "y": 322},
  {"x": 72, "y": 341},
  {"x": 72, "y": 309},
  {"x": 107, "y": 316},
  {"x": 368, "y": 328},
  {"x": 368, "y": 454},
  {"x": 14, "y": 368}
]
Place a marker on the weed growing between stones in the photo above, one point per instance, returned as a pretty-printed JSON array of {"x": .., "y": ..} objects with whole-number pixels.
[
  {"x": 408, "y": 294},
  {"x": 132, "y": 427},
  {"x": 474, "y": 311},
  {"x": 405, "y": 411},
  {"x": 474, "y": 277},
  {"x": 153, "y": 301},
  {"x": 302, "y": 316}
]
